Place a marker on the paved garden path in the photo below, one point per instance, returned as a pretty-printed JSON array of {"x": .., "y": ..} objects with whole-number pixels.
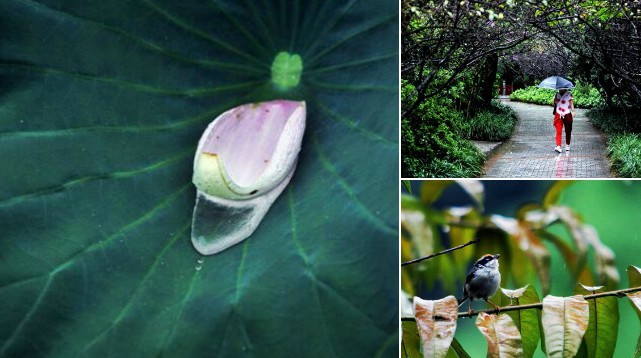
[{"x": 530, "y": 151}]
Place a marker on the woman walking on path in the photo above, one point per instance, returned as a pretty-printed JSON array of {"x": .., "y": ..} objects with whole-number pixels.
[{"x": 563, "y": 116}]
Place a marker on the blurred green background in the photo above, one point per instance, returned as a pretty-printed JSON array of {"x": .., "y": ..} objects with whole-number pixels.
[{"x": 611, "y": 206}]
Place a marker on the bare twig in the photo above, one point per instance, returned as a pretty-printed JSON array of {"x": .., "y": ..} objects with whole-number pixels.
[
  {"x": 439, "y": 253},
  {"x": 539, "y": 305}
]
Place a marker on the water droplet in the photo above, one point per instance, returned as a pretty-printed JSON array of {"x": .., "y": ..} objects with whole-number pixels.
[
  {"x": 198, "y": 268},
  {"x": 200, "y": 261}
]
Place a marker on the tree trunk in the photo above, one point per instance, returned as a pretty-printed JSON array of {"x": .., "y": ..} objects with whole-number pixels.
[{"x": 487, "y": 78}]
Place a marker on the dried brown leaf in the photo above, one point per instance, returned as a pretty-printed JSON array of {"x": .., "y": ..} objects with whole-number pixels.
[
  {"x": 585, "y": 236},
  {"x": 436, "y": 321},
  {"x": 564, "y": 321},
  {"x": 475, "y": 189},
  {"x": 503, "y": 338},
  {"x": 407, "y": 310},
  {"x": 415, "y": 223},
  {"x": 635, "y": 299}
]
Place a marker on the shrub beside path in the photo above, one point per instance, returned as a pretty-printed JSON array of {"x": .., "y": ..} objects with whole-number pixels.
[{"x": 530, "y": 153}]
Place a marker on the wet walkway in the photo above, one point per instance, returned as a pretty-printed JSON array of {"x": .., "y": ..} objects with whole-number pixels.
[{"x": 530, "y": 151}]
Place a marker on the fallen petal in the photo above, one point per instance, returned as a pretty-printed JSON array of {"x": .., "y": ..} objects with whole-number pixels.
[{"x": 244, "y": 160}]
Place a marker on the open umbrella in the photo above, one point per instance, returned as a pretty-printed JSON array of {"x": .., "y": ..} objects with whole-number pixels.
[{"x": 556, "y": 83}]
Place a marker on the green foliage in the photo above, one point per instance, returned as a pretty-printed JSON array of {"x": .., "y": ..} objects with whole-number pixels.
[
  {"x": 601, "y": 336},
  {"x": 585, "y": 96},
  {"x": 432, "y": 144},
  {"x": 102, "y": 104},
  {"x": 527, "y": 321},
  {"x": 536, "y": 222},
  {"x": 625, "y": 153},
  {"x": 624, "y": 143},
  {"x": 506, "y": 237},
  {"x": 615, "y": 121},
  {"x": 533, "y": 94},
  {"x": 495, "y": 124}
]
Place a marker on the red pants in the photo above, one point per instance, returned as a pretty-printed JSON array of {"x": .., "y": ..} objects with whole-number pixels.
[{"x": 559, "y": 123}]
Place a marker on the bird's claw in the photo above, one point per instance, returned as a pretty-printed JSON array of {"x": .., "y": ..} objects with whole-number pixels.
[{"x": 497, "y": 308}]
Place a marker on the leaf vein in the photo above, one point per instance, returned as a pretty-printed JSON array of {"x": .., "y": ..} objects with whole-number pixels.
[{"x": 365, "y": 211}]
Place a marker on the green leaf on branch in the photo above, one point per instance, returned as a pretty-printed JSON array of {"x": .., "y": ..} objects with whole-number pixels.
[
  {"x": 601, "y": 336},
  {"x": 634, "y": 275},
  {"x": 411, "y": 343},
  {"x": 456, "y": 350},
  {"x": 635, "y": 300},
  {"x": 526, "y": 321}
]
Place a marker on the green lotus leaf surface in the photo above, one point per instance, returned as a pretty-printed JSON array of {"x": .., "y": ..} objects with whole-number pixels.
[{"x": 102, "y": 104}]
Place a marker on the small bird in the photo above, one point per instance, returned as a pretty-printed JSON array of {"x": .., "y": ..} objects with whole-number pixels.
[{"x": 482, "y": 281}]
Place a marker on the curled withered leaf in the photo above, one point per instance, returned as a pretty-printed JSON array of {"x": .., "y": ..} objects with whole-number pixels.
[
  {"x": 540, "y": 218},
  {"x": 457, "y": 212},
  {"x": 503, "y": 338},
  {"x": 436, "y": 321},
  {"x": 415, "y": 222},
  {"x": 475, "y": 189},
  {"x": 585, "y": 236},
  {"x": 604, "y": 257},
  {"x": 529, "y": 243},
  {"x": 406, "y": 305},
  {"x": 514, "y": 293},
  {"x": 564, "y": 321},
  {"x": 574, "y": 224},
  {"x": 591, "y": 288},
  {"x": 634, "y": 275},
  {"x": 635, "y": 299}
]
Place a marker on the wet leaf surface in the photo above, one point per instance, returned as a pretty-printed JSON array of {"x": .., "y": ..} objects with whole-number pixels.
[{"x": 101, "y": 107}]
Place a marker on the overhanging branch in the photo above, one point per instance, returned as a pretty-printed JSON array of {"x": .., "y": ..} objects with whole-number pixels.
[{"x": 439, "y": 253}]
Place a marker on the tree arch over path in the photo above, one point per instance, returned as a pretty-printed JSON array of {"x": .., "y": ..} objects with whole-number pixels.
[{"x": 441, "y": 40}]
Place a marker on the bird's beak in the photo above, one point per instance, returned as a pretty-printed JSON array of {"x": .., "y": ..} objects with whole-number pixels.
[{"x": 497, "y": 256}]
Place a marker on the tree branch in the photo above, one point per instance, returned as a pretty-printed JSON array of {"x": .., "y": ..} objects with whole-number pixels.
[
  {"x": 439, "y": 253},
  {"x": 539, "y": 305}
]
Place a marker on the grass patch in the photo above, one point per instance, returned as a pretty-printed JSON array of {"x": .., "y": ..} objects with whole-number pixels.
[
  {"x": 585, "y": 96},
  {"x": 625, "y": 153},
  {"x": 495, "y": 124},
  {"x": 624, "y": 143}
]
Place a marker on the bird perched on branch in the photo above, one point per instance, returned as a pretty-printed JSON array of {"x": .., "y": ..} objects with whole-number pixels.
[{"x": 482, "y": 281}]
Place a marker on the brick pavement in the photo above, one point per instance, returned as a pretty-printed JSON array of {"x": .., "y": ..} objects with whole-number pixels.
[{"x": 530, "y": 151}]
